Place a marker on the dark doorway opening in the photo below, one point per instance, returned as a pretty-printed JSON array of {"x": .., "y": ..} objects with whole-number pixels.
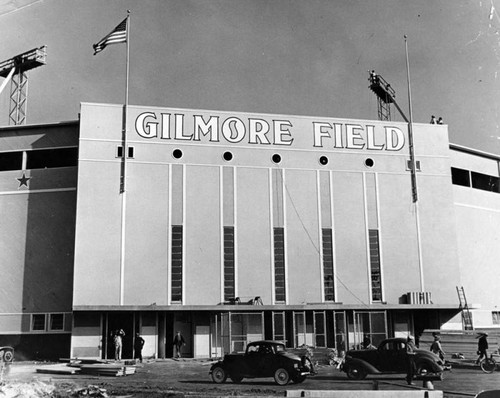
[{"x": 116, "y": 321}]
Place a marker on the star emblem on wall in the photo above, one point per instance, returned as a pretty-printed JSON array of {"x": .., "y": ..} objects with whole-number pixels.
[{"x": 23, "y": 181}]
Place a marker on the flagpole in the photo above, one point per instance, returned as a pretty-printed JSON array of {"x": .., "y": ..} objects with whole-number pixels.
[
  {"x": 413, "y": 171},
  {"x": 124, "y": 166},
  {"x": 124, "y": 123}
]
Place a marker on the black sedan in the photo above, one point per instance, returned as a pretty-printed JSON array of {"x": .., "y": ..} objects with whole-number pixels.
[
  {"x": 389, "y": 357},
  {"x": 263, "y": 359}
]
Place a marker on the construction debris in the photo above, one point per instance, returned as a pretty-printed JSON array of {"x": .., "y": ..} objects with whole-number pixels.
[
  {"x": 89, "y": 391},
  {"x": 35, "y": 389}
]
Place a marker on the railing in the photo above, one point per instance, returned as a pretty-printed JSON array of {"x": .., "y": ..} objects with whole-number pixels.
[{"x": 25, "y": 61}]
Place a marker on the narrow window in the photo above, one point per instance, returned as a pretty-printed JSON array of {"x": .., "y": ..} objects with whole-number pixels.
[
  {"x": 319, "y": 329},
  {"x": 278, "y": 235},
  {"x": 56, "y": 322},
  {"x": 484, "y": 182},
  {"x": 38, "y": 322},
  {"x": 228, "y": 263},
  {"x": 11, "y": 161},
  {"x": 279, "y": 326},
  {"x": 409, "y": 165},
  {"x": 130, "y": 152},
  {"x": 460, "y": 177},
  {"x": 328, "y": 274},
  {"x": 375, "y": 265},
  {"x": 176, "y": 263},
  {"x": 279, "y": 264},
  {"x": 50, "y": 158}
]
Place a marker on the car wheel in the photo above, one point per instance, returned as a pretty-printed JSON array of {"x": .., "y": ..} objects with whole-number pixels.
[
  {"x": 219, "y": 375},
  {"x": 356, "y": 372},
  {"x": 281, "y": 377},
  {"x": 236, "y": 378},
  {"x": 8, "y": 356},
  {"x": 299, "y": 379}
]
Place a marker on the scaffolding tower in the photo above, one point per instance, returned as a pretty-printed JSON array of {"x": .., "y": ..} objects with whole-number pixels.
[
  {"x": 385, "y": 95},
  {"x": 14, "y": 69}
]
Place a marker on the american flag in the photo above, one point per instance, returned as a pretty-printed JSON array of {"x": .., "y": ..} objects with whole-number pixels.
[{"x": 118, "y": 35}]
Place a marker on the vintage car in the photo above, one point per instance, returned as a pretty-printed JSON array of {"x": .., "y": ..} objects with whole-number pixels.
[
  {"x": 263, "y": 359},
  {"x": 390, "y": 357}
]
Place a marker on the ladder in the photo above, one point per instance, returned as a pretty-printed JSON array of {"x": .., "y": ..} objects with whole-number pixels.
[{"x": 466, "y": 315}]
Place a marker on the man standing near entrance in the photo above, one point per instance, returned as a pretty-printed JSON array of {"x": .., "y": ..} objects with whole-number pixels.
[
  {"x": 178, "y": 343},
  {"x": 118, "y": 342},
  {"x": 138, "y": 345}
]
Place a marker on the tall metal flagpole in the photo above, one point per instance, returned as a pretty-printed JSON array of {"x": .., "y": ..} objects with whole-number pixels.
[
  {"x": 124, "y": 167},
  {"x": 413, "y": 169},
  {"x": 413, "y": 163}
]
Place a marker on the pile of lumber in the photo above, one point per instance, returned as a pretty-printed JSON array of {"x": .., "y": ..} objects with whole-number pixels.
[
  {"x": 107, "y": 369},
  {"x": 60, "y": 369},
  {"x": 89, "y": 367}
]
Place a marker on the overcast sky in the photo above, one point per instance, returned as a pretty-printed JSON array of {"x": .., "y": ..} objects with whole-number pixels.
[{"x": 298, "y": 57}]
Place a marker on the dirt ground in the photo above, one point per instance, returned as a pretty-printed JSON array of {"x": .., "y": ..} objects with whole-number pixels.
[{"x": 172, "y": 378}]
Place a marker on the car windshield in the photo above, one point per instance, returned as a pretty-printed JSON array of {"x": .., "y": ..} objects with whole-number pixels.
[{"x": 394, "y": 346}]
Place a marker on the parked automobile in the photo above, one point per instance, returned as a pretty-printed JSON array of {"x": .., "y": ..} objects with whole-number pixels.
[
  {"x": 389, "y": 357},
  {"x": 263, "y": 359}
]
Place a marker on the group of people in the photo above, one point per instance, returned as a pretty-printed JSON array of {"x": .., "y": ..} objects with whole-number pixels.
[
  {"x": 482, "y": 346},
  {"x": 119, "y": 334},
  {"x": 436, "y": 121},
  {"x": 436, "y": 348}
]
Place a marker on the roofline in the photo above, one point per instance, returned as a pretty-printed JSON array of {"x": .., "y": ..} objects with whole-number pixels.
[
  {"x": 472, "y": 151},
  {"x": 249, "y": 114},
  {"x": 35, "y": 126},
  {"x": 259, "y": 308}
]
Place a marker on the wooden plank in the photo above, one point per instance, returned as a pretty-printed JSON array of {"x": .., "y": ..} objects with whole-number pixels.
[{"x": 57, "y": 369}]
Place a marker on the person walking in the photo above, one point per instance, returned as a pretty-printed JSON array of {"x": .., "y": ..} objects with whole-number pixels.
[
  {"x": 118, "y": 342},
  {"x": 410, "y": 360},
  {"x": 178, "y": 343},
  {"x": 482, "y": 346},
  {"x": 138, "y": 344},
  {"x": 436, "y": 347}
]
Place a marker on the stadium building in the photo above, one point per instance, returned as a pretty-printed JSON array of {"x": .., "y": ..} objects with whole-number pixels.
[{"x": 232, "y": 227}]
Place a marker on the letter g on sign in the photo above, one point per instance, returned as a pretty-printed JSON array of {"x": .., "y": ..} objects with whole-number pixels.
[{"x": 146, "y": 129}]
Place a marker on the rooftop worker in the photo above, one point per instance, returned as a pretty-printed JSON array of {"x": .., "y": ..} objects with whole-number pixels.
[
  {"x": 440, "y": 120},
  {"x": 433, "y": 119},
  {"x": 373, "y": 77}
]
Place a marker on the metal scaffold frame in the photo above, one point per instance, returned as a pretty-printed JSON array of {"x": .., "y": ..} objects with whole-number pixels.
[{"x": 14, "y": 69}]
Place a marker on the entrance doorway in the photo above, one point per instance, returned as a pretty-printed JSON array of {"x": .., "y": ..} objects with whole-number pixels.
[{"x": 116, "y": 321}]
